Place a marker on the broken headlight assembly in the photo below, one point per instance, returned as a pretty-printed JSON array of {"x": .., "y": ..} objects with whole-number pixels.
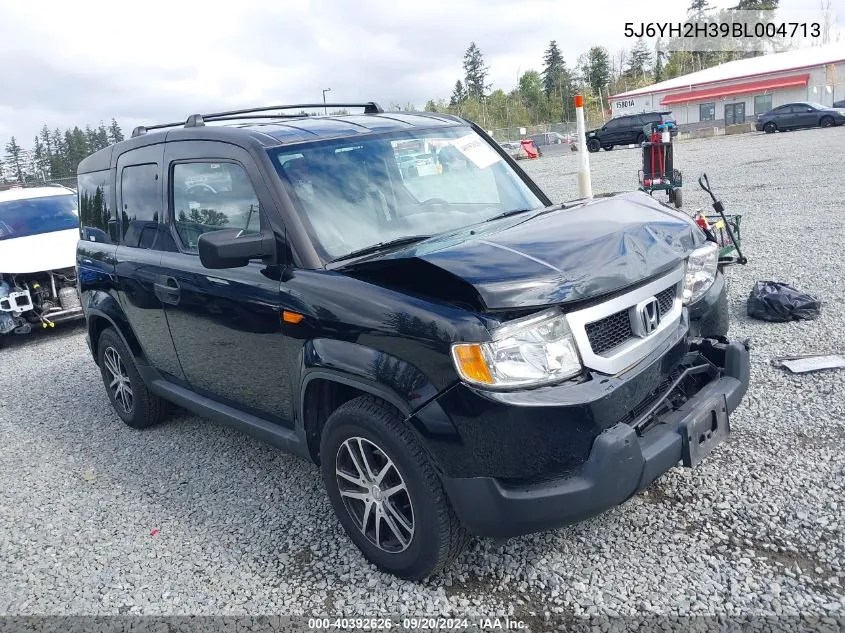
[
  {"x": 701, "y": 269},
  {"x": 527, "y": 352}
]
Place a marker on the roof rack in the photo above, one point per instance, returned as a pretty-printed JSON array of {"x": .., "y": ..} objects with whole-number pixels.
[{"x": 198, "y": 120}]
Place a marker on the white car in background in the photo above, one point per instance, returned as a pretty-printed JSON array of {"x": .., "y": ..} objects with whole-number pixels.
[{"x": 39, "y": 229}]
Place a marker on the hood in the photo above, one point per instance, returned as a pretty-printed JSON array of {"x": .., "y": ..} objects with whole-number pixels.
[
  {"x": 37, "y": 253},
  {"x": 560, "y": 256}
]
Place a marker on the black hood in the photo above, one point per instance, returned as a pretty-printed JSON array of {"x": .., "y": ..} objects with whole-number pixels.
[{"x": 571, "y": 254}]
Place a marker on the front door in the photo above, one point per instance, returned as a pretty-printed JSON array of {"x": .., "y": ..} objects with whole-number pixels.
[
  {"x": 734, "y": 113},
  {"x": 804, "y": 115},
  {"x": 225, "y": 324}
]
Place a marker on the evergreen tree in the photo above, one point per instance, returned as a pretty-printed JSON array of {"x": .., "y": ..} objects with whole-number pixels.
[
  {"x": 115, "y": 133},
  {"x": 16, "y": 159},
  {"x": 658, "y": 62},
  {"x": 39, "y": 159},
  {"x": 553, "y": 68},
  {"x": 595, "y": 68},
  {"x": 475, "y": 73},
  {"x": 697, "y": 8},
  {"x": 458, "y": 94}
]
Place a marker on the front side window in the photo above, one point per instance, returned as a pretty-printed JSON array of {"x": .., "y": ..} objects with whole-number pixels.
[
  {"x": 140, "y": 196},
  {"x": 707, "y": 112},
  {"x": 34, "y": 216},
  {"x": 353, "y": 194},
  {"x": 211, "y": 196}
]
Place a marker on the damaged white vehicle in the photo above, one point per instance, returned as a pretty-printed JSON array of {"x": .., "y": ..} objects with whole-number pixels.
[{"x": 39, "y": 229}]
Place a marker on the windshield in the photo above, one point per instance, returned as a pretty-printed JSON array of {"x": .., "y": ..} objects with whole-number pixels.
[
  {"x": 33, "y": 216},
  {"x": 355, "y": 193}
]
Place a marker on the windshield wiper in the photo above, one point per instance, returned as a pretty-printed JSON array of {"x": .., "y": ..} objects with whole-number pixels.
[
  {"x": 540, "y": 211},
  {"x": 375, "y": 248},
  {"x": 507, "y": 214}
]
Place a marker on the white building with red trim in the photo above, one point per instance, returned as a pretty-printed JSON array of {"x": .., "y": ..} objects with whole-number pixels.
[{"x": 734, "y": 92}]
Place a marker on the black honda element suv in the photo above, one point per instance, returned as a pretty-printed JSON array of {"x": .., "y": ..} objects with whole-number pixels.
[{"x": 458, "y": 354}]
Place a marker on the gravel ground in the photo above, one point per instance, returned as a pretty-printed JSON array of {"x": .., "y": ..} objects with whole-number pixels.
[{"x": 192, "y": 518}]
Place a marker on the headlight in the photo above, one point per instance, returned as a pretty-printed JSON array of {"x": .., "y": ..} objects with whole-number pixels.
[
  {"x": 701, "y": 272},
  {"x": 531, "y": 351}
]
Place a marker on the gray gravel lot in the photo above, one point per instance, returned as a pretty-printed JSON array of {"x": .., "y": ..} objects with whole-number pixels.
[{"x": 244, "y": 529}]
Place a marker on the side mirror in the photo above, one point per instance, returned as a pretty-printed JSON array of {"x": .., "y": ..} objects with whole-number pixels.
[{"x": 230, "y": 248}]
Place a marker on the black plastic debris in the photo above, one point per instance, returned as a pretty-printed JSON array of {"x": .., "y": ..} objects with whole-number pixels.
[{"x": 780, "y": 303}]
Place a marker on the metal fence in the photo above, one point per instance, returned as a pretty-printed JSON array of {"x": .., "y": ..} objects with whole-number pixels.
[
  {"x": 518, "y": 132},
  {"x": 69, "y": 182}
]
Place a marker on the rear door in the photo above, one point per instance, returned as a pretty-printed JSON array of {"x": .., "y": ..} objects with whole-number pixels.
[
  {"x": 143, "y": 239},
  {"x": 783, "y": 117},
  {"x": 225, "y": 324}
]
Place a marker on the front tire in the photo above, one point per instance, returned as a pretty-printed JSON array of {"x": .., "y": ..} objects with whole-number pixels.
[
  {"x": 826, "y": 121},
  {"x": 593, "y": 145},
  {"x": 770, "y": 128},
  {"x": 678, "y": 198},
  {"x": 132, "y": 401},
  {"x": 386, "y": 493}
]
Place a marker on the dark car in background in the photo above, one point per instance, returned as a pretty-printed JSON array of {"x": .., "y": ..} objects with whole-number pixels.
[
  {"x": 793, "y": 116},
  {"x": 839, "y": 104},
  {"x": 628, "y": 130},
  {"x": 550, "y": 138}
]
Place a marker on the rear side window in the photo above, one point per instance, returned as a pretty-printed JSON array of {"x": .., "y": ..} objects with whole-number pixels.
[
  {"x": 140, "y": 196},
  {"x": 97, "y": 217}
]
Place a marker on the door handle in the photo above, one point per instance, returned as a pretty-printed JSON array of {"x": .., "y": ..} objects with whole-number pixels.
[{"x": 167, "y": 289}]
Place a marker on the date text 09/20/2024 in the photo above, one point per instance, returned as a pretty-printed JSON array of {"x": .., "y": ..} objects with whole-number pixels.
[
  {"x": 715, "y": 30},
  {"x": 503, "y": 623}
]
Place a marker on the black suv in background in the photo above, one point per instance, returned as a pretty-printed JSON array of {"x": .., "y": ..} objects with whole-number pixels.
[
  {"x": 627, "y": 130},
  {"x": 458, "y": 354}
]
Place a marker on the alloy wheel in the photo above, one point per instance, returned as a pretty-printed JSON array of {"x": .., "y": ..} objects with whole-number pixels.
[
  {"x": 119, "y": 385},
  {"x": 375, "y": 494}
]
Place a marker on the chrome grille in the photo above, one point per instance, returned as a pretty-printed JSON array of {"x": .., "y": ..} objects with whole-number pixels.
[
  {"x": 605, "y": 334},
  {"x": 614, "y": 330}
]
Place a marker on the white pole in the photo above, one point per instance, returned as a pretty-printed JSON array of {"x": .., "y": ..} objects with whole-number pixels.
[{"x": 585, "y": 187}]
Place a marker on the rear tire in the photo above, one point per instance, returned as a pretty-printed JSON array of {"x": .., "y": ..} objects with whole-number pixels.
[
  {"x": 136, "y": 405},
  {"x": 640, "y": 138},
  {"x": 770, "y": 128},
  {"x": 827, "y": 121},
  {"x": 418, "y": 532}
]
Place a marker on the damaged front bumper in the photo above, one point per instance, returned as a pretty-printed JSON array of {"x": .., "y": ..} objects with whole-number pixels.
[{"x": 682, "y": 424}]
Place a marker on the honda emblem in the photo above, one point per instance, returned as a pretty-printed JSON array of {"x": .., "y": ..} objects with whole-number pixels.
[{"x": 646, "y": 317}]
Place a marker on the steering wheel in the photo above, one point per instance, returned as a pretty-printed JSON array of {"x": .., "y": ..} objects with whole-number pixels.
[
  {"x": 200, "y": 187},
  {"x": 431, "y": 202}
]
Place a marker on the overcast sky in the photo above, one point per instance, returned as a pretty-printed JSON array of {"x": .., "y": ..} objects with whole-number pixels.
[{"x": 71, "y": 63}]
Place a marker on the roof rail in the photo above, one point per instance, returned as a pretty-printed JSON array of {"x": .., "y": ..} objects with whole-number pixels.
[{"x": 198, "y": 120}]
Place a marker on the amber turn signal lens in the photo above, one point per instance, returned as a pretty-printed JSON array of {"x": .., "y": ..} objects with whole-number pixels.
[
  {"x": 471, "y": 363},
  {"x": 292, "y": 317}
]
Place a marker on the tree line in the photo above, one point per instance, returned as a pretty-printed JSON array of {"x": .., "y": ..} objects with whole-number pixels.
[
  {"x": 547, "y": 95},
  {"x": 54, "y": 154}
]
